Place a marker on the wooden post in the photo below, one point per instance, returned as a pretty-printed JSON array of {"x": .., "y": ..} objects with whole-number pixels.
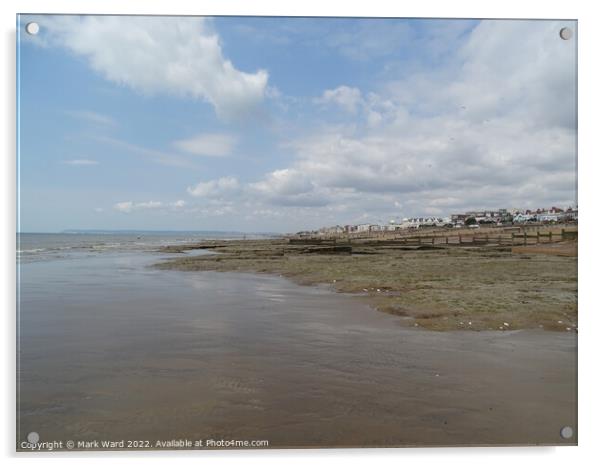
[
  {"x": 525, "y": 238},
  {"x": 562, "y": 234}
]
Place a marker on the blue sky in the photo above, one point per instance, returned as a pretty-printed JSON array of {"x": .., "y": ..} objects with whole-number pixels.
[{"x": 282, "y": 124}]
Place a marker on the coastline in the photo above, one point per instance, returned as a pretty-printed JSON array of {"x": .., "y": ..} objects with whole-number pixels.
[
  {"x": 256, "y": 356},
  {"x": 436, "y": 288}
]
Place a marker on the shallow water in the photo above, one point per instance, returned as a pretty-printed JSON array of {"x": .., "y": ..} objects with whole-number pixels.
[{"x": 112, "y": 349}]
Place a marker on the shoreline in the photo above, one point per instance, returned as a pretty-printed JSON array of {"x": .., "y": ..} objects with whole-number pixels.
[
  {"x": 436, "y": 288},
  {"x": 256, "y": 356}
]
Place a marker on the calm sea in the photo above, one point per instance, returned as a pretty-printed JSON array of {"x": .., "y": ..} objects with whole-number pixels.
[{"x": 33, "y": 247}]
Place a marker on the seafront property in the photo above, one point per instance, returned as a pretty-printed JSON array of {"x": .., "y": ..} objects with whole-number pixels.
[{"x": 473, "y": 219}]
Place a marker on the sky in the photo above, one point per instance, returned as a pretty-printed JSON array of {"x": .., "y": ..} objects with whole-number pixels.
[{"x": 284, "y": 124}]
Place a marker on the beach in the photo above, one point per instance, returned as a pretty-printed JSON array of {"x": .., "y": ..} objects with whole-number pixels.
[
  {"x": 113, "y": 347},
  {"x": 439, "y": 288}
]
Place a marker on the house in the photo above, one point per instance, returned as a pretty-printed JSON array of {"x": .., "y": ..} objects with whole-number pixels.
[
  {"x": 549, "y": 217},
  {"x": 570, "y": 214},
  {"x": 459, "y": 218},
  {"x": 420, "y": 222},
  {"x": 526, "y": 217}
]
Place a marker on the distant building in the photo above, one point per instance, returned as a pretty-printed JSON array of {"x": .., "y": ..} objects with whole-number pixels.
[
  {"x": 459, "y": 218},
  {"x": 526, "y": 217},
  {"x": 420, "y": 222},
  {"x": 549, "y": 217},
  {"x": 570, "y": 214}
]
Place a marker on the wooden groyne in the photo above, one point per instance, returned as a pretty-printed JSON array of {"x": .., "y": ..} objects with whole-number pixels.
[{"x": 507, "y": 237}]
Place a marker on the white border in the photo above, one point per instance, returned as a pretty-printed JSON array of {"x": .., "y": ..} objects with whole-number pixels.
[{"x": 589, "y": 174}]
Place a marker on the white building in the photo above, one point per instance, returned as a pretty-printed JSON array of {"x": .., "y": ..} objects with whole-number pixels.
[
  {"x": 550, "y": 217},
  {"x": 522, "y": 218},
  {"x": 417, "y": 222}
]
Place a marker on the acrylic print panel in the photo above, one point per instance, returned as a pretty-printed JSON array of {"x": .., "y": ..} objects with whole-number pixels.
[{"x": 247, "y": 232}]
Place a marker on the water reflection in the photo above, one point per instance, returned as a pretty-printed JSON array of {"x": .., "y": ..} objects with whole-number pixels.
[{"x": 112, "y": 349}]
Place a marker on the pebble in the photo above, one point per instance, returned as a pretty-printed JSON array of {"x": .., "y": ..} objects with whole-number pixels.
[{"x": 506, "y": 324}]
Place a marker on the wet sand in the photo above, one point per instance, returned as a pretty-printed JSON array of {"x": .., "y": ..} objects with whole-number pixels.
[{"x": 112, "y": 349}]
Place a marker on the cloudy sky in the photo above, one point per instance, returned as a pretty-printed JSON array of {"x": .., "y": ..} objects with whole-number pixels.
[{"x": 274, "y": 124}]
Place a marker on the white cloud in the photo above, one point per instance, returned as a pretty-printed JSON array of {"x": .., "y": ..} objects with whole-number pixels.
[
  {"x": 491, "y": 126},
  {"x": 373, "y": 108},
  {"x": 348, "y": 98},
  {"x": 130, "y": 206},
  {"x": 284, "y": 182},
  {"x": 152, "y": 54},
  {"x": 494, "y": 127},
  {"x": 125, "y": 206},
  {"x": 210, "y": 145},
  {"x": 287, "y": 187},
  {"x": 215, "y": 188},
  {"x": 80, "y": 162}
]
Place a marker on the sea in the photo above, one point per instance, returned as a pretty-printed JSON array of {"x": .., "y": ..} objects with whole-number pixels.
[{"x": 33, "y": 247}]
